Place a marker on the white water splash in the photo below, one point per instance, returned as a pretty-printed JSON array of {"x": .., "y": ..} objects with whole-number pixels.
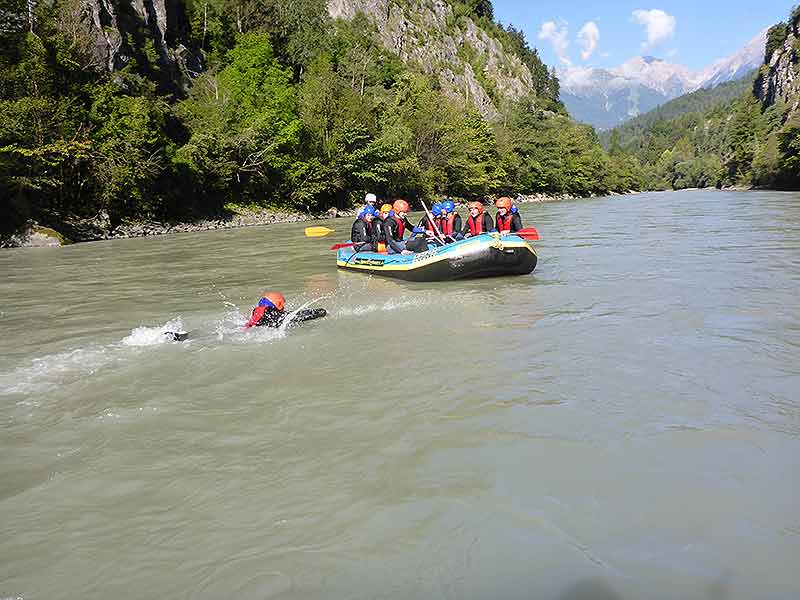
[{"x": 153, "y": 336}]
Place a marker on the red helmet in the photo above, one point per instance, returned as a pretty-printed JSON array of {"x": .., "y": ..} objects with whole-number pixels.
[
  {"x": 400, "y": 206},
  {"x": 504, "y": 202},
  {"x": 477, "y": 206},
  {"x": 276, "y": 298}
]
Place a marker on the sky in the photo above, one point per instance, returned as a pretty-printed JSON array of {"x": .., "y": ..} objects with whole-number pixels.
[{"x": 601, "y": 33}]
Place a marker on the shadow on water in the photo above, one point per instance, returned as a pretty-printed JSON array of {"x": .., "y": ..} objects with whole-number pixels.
[{"x": 593, "y": 588}]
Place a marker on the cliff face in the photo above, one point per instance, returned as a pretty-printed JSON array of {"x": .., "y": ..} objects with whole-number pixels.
[
  {"x": 124, "y": 30},
  {"x": 464, "y": 58},
  {"x": 779, "y": 79}
]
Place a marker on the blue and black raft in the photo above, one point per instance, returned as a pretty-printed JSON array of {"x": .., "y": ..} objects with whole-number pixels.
[{"x": 485, "y": 255}]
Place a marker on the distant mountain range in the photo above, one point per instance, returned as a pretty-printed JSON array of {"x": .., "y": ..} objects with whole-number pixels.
[{"x": 606, "y": 98}]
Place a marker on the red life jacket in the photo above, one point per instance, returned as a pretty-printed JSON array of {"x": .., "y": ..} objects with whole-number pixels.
[
  {"x": 429, "y": 225},
  {"x": 401, "y": 228},
  {"x": 504, "y": 223},
  {"x": 445, "y": 224},
  {"x": 475, "y": 225}
]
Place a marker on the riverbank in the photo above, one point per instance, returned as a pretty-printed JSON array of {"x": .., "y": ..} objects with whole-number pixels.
[{"x": 99, "y": 228}]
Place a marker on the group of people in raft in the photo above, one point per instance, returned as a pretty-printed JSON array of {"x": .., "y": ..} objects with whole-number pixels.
[{"x": 383, "y": 230}]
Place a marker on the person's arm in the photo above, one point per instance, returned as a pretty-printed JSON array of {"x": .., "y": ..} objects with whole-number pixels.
[
  {"x": 487, "y": 224},
  {"x": 457, "y": 223},
  {"x": 258, "y": 313},
  {"x": 309, "y": 314},
  {"x": 516, "y": 222}
]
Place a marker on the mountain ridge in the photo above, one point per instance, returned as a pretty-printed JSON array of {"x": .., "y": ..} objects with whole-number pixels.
[{"x": 606, "y": 98}]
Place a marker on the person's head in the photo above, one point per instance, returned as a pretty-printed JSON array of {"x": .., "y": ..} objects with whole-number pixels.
[
  {"x": 448, "y": 206},
  {"x": 367, "y": 214},
  {"x": 386, "y": 209},
  {"x": 273, "y": 300},
  {"x": 503, "y": 205},
  {"x": 370, "y": 199},
  {"x": 400, "y": 208},
  {"x": 436, "y": 209},
  {"x": 475, "y": 209}
]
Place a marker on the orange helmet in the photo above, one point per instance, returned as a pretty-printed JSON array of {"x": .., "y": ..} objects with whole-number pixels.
[
  {"x": 386, "y": 208},
  {"x": 504, "y": 202},
  {"x": 400, "y": 206},
  {"x": 477, "y": 206},
  {"x": 277, "y": 299}
]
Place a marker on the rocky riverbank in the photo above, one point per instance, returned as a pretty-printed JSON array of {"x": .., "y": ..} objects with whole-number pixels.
[{"x": 100, "y": 228}]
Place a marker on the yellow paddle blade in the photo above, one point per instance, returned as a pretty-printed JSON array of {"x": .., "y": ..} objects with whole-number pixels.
[{"x": 318, "y": 231}]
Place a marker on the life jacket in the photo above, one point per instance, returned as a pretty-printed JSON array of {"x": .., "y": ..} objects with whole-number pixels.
[
  {"x": 475, "y": 225},
  {"x": 504, "y": 223},
  {"x": 401, "y": 228},
  {"x": 445, "y": 224},
  {"x": 429, "y": 224}
]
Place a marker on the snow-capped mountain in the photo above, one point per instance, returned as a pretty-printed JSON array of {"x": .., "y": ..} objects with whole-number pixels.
[
  {"x": 607, "y": 97},
  {"x": 737, "y": 65}
]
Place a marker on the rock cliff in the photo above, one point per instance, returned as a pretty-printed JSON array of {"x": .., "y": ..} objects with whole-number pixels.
[
  {"x": 145, "y": 30},
  {"x": 779, "y": 79},
  {"x": 471, "y": 65}
]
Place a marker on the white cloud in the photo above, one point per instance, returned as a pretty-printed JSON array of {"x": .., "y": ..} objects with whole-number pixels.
[
  {"x": 588, "y": 37},
  {"x": 659, "y": 25},
  {"x": 558, "y": 38}
]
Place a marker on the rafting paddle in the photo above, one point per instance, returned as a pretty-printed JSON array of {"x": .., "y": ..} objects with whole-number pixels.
[
  {"x": 318, "y": 231},
  {"x": 345, "y": 245},
  {"x": 529, "y": 233}
]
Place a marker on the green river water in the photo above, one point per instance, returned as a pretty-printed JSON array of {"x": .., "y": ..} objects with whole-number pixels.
[{"x": 623, "y": 423}]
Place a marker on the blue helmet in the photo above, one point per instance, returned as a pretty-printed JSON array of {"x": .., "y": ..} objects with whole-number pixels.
[
  {"x": 514, "y": 209},
  {"x": 448, "y": 206},
  {"x": 436, "y": 209},
  {"x": 367, "y": 210}
]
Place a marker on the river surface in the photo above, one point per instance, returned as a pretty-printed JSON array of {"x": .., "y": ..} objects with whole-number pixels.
[{"x": 624, "y": 423}]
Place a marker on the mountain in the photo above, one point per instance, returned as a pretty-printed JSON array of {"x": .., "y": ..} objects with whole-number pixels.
[
  {"x": 744, "y": 132},
  {"x": 606, "y": 98},
  {"x": 700, "y": 101},
  {"x": 737, "y": 65}
]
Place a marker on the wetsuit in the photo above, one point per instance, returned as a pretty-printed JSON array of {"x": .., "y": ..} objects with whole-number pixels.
[
  {"x": 483, "y": 224},
  {"x": 511, "y": 222},
  {"x": 267, "y": 317},
  {"x": 393, "y": 229},
  {"x": 364, "y": 235},
  {"x": 377, "y": 229}
]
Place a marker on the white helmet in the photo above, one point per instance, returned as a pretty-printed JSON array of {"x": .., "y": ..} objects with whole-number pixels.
[{"x": 370, "y": 198}]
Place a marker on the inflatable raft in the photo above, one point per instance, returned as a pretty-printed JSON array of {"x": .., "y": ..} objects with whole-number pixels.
[{"x": 485, "y": 255}]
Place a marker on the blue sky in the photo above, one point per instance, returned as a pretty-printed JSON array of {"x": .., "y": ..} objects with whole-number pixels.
[{"x": 688, "y": 32}]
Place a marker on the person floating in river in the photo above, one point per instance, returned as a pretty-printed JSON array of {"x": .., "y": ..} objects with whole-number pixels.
[
  {"x": 269, "y": 312},
  {"x": 450, "y": 221},
  {"x": 478, "y": 221},
  {"x": 508, "y": 220},
  {"x": 364, "y": 234},
  {"x": 394, "y": 228}
]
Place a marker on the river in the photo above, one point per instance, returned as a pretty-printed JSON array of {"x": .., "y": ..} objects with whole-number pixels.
[{"x": 623, "y": 423}]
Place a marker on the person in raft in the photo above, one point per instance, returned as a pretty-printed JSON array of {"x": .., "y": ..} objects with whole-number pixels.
[
  {"x": 507, "y": 220},
  {"x": 449, "y": 222},
  {"x": 377, "y": 226},
  {"x": 363, "y": 234},
  {"x": 269, "y": 312},
  {"x": 370, "y": 200},
  {"x": 478, "y": 222},
  {"x": 394, "y": 228},
  {"x": 426, "y": 223}
]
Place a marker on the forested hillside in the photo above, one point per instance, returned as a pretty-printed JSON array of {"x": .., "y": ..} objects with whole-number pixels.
[
  {"x": 750, "y": 140},
  {"x": 699, "y": 101},
  {"x": 180, "y": 110}
]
